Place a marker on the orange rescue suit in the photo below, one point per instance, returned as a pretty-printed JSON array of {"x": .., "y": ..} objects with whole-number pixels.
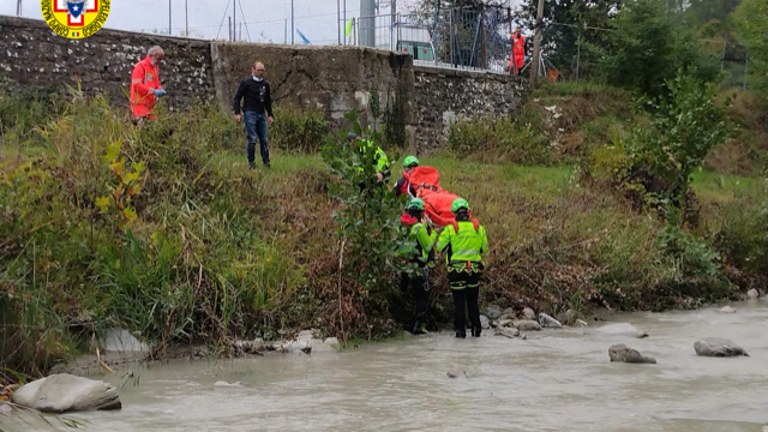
[
  {"x": 518, "y": 53},
  {"x": 145, "y": 80}
]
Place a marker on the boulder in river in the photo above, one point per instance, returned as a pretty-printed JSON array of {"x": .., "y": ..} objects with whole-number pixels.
[
  {"x": 567, "y": 317},
  {"x": 547, "y": 321},
  {"x": 505, "y": 323},
  {"x": 484, "y": 322},
  {"x": 623, "y": 353},
  {"x": 527, "y": 325},
  {"x": 727, "y": 309},
  {"x": 718, "y": 347},
  {"x": 455, "y": 373},
  {"x": 120, "y": 340},
  {"x": 224, "y": 384},
  {"x": 493, "y": 312},
  {"x": 297, "y": 346},
  {"x": 508, "y": 332},
  {"x": 529, "y": 314},
  {"x": 581, "y": 323},
  {"x": 508, "y": 313},
  {"x": 64, "y": 393},
  {"x": 753, "y": 294},
  {"x": 622, "y": 329}
]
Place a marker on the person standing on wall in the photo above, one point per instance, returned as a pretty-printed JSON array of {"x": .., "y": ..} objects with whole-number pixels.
[
  {"x": 517, "y": 59},
  {"x": 255, "y": 94},
  {"x": 145, "y": 85}
]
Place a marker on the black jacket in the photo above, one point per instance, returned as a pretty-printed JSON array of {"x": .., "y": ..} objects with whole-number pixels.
[{"x": 256, "y": 94}]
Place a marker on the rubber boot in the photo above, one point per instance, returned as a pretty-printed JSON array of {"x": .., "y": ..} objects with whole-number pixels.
[
  {"x": 461, "y": 334},
  {"x": 476, "y": 331}
]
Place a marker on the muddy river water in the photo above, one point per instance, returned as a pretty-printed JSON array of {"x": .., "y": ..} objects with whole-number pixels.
[{"x": 556, "y": 380}]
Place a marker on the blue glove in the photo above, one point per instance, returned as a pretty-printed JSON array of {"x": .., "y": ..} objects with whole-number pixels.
[{"x": 159, "y": 93}]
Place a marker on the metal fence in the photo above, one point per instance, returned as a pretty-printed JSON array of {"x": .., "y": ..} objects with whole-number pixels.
[{"x": 475, "y": 39}]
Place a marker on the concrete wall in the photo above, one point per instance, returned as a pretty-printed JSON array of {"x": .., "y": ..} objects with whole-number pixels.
[{"x": 331, "y": 79}]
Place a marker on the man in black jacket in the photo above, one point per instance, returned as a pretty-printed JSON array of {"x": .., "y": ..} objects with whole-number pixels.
[{"x": 257, "y": 110}]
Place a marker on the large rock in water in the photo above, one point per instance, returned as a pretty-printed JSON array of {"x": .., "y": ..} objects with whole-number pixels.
[
  {"x": 623, "y": 353},
  {"x": 622, "y": 329},
  {"x": 484, "y": 322},
  {"x": 718, "y": 347},
  {"x": 529, "y": 314},
  {"x": 64, "y": 393},
  {"x": 527, "y": 325},
  {"x": 547, "y": 321},
  {"x": 753, "y": 294},
  {"x": 493, "y": 312}
]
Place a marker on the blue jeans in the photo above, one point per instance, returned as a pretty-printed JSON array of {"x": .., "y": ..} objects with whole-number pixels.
[{"x": 256, "y": 128}]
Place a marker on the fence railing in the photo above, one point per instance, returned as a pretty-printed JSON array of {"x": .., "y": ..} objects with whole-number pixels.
[
  {"x": 480, "y": 40},
  {"x": 462, "y": 38}
]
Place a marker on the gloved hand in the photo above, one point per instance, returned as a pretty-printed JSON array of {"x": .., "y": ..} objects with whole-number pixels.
[{"x": 159, "y": 93}]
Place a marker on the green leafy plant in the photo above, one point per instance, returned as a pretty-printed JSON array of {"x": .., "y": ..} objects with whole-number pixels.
[
  {"x": 683, "y": 126},
  {"x": 128, "y": 186},
  {"x": 297, "y": 130},
  {"x": 366, "y": 219}
]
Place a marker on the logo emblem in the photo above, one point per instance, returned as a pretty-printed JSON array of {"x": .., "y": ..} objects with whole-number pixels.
[{"x": 75, "y": 19}]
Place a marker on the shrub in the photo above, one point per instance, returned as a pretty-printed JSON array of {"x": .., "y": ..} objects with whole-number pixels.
[
  {"x": 647, "y": 47},
  {"x": 683, "y": 127},
  {"x": 502, "y": 140},
  {"x": 367, "y": 228},
  {"x": 140, "y": 228},
  {"x": 297, "y": 130}
]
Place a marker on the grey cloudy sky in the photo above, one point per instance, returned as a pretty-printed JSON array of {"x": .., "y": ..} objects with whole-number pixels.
[{"x": 265, "y": 19}]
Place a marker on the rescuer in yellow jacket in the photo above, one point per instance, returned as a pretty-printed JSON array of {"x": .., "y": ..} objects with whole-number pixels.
[{"x": 464, "y": 244}]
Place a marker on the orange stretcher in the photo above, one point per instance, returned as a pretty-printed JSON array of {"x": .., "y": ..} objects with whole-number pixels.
[{"x": 425, "y": 181}]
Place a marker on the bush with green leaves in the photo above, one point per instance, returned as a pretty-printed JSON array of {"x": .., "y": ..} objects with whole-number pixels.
[
  {"x": 647, "y": 46},
  {"x": 367, "y": 221},
  {"x": 751, "y": 21},
  {"x": 500, "y": 140},
  {"x": 683, "y": 125},
  {"x": 297, "y": 130}
]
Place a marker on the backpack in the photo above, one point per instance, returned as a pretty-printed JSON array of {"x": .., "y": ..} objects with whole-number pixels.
[{"x": 475, "y": 224}]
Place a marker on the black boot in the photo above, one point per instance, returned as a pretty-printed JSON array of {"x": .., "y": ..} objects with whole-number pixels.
[
  {"x": 461, "y": 334},
  {"x": 476, "y": 331}
]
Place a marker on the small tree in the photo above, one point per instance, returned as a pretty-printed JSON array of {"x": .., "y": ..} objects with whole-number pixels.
[
  {"x": 684, "y": 124},
  {"x": 647, "y": 46},
  {"x": 367, "y": 219}
]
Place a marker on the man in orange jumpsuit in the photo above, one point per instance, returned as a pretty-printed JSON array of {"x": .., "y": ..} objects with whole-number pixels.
[
  {"x": 517, "y": 58},
  {"x": 145, "y": 85}
]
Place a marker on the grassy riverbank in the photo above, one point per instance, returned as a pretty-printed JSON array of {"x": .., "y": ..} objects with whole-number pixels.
[{"x": 215, "y": 252}]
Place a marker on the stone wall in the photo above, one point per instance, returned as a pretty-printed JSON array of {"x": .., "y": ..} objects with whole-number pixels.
[
  {"x": 443, "y": 96},
  {"x": 329, "y": 78},
  {"x": 33, "y": 55}
]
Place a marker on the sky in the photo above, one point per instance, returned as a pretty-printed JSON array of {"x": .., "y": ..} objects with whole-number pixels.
[{"x": 265, "y": 20}]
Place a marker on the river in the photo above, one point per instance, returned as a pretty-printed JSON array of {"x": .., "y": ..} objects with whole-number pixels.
[{"x": 557, "y": 380}]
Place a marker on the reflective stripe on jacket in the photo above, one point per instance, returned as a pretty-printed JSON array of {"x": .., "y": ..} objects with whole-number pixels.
[{"x": 464, "y": 250}]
